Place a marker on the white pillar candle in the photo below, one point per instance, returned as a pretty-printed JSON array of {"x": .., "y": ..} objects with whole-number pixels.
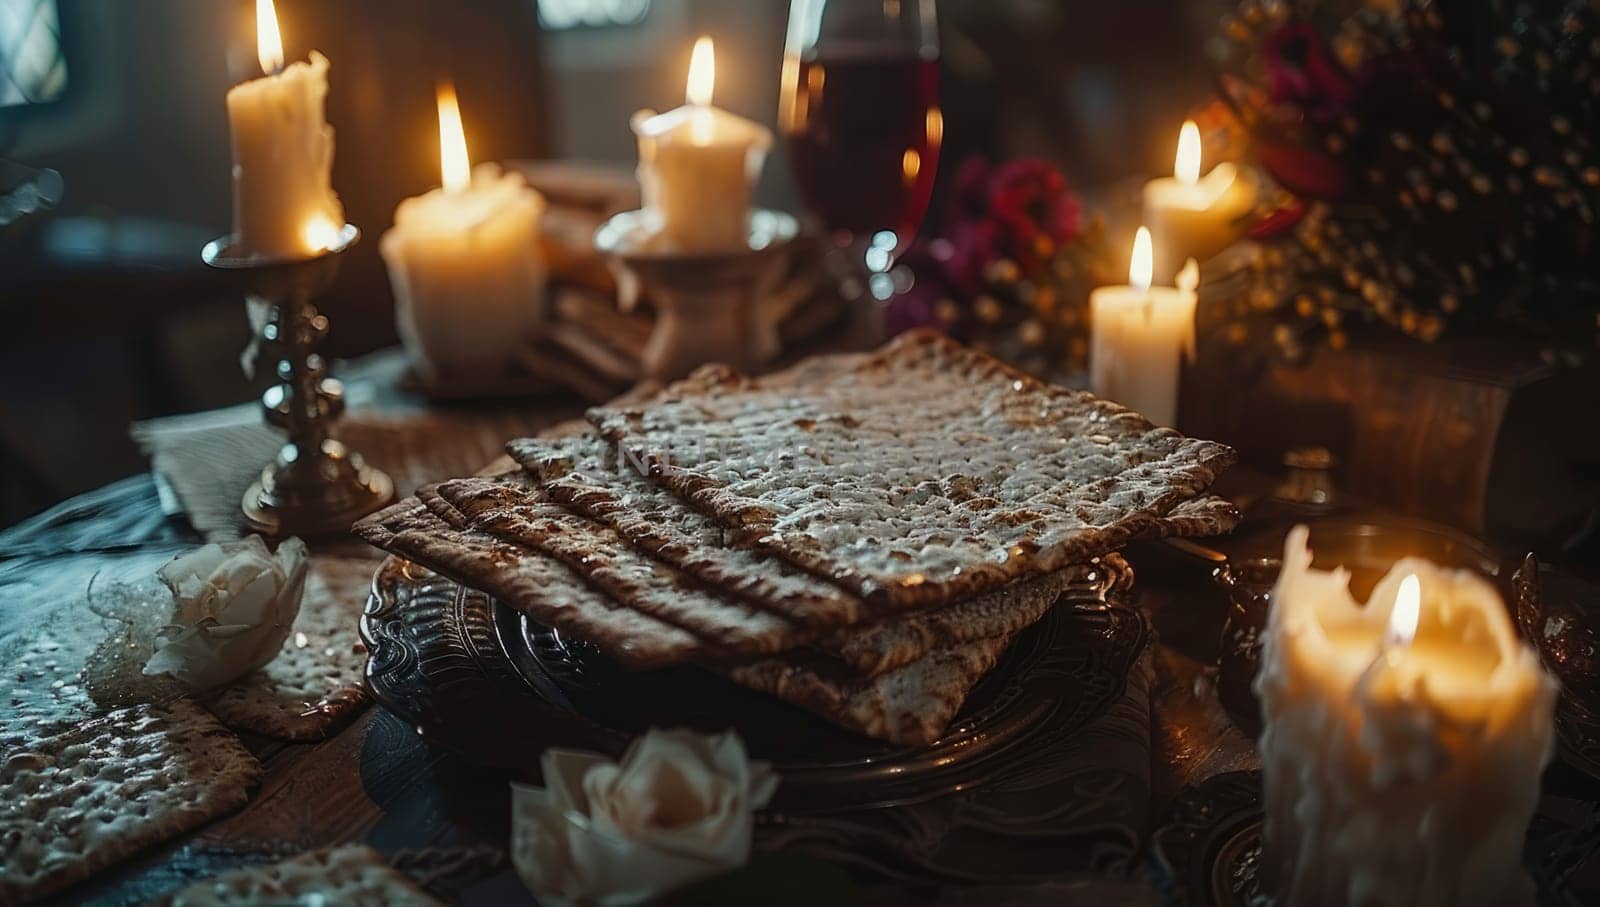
[
  {"x": 1137, "y": 336},
  {"x": 697, "y": 164},
  {"x": 1194, "y": 216},
  {"x": 283, "y": 200},
  {"x": 465, "y": 265},
  {"x": 1403, "y": 739}
]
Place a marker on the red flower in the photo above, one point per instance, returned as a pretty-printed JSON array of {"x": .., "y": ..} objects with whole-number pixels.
[
  {"x": 1034, "y": 208},
  {"x": 1303, "y": 72}
]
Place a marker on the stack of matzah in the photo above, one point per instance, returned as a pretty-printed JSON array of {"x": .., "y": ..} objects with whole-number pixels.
[{"x": 862, "y": 538}]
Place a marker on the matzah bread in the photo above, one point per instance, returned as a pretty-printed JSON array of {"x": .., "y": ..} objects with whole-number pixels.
[
  {"x": 584, "y": 473},
  {"x": 606, "y": 561},
  {"x": 925, "y": 474},
  {"x": 908, "y": 705},
  {"x": 510, "y": 510},
  {"x": 534, "y": 583},
  {"x": 355, "y": 875},
  {"x": 79, "y": 801},
  {"x": 313, "y": 686}
]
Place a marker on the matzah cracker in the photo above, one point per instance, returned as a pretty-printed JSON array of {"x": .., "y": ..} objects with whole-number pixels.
[
  {"x": 84, "y": 799},
  {"x": 909, "y": 706},
  {"x": 584, "y": 473},
  {"x": 536, "y": 584},
  {"x": 41, "y": 692},
  {"x": 511, "y": 510},
  {"x": 875, "y": 648},
  {"x": 607, "y": 562},
  {"x": 925, "y": 474},
  {"x": 355, "y": 875},
  {"x": 314, "y": 685},
  {"x": 508, "y": 507}
]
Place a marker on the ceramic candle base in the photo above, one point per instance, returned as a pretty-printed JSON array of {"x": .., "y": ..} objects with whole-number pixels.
[
  {"x": 710, "y": 306},
  {"x": 315, "y": 485}
]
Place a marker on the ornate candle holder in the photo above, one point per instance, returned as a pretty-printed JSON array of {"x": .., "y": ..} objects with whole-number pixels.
[
  {"x": 711, "y": 306},
  {"x": 315, "y": 485}
]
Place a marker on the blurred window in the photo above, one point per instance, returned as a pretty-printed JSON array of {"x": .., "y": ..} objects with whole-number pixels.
[{"x": 32, "y": 67}]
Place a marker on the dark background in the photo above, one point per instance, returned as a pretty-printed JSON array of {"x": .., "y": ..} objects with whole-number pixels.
[{"x": 110, "y": 318}]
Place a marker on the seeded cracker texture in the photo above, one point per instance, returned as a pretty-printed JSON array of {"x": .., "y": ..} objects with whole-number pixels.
[
  {"x": 77, "y": 802},
  {"x": 925, "y": 474},
  {"x": 583, "y": 472},
  {"x": 353, "y": 875},
  {"x": 536, "y": 584},
  {"x": 612, "y": 566},
  {"x": 909, "y": 706},
  {"x": 586, "y": 475},
  {"x": 508, "y": 509}
]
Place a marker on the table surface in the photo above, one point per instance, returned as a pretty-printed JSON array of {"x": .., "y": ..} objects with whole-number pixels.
[{"x": 377, "y": 782}]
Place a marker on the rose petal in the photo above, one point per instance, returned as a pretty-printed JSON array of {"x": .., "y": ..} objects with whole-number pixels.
[
  {"x": 192, "y": 567},
  {"x": 677, "y": 807}
]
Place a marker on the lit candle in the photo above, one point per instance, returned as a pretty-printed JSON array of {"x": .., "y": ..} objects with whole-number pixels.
[
  {"x": 696, "y": 165},
  {"x": 464, "y": 263},
  {"x": 1404, "y": 738},
  {"x": 283, "y": 200},
  {"x": 1138, "y": 333},
  {"x": 1193, "y": 216}
]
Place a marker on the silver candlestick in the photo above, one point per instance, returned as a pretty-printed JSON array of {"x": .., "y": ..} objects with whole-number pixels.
[{"x": 315, "y": 485}]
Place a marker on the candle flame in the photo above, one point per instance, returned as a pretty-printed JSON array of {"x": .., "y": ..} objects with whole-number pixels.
[
  {"x": 1407, "y": 611},
  {"x": 1187, "y": 167},
  {"x": 454, "y": 165},
  {"x": 1141, "y": 266},
  {"x": 321, "y": 234},
  {"x": 702, "y": 72},
  {"x": 269, "y": 43}
]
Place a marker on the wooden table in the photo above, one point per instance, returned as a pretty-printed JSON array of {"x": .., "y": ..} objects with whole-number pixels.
[{"x": 375, "y": 781}]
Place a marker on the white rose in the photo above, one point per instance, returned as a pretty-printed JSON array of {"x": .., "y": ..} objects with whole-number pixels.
[
  {"x": 678, "y": 807},
  {"x": 233, "y": 606}
]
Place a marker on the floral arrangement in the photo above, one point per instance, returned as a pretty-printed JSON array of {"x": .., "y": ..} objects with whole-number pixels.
[
  {"x": 1439, "y": 160},
  {"x": 1010, "y": 267}
]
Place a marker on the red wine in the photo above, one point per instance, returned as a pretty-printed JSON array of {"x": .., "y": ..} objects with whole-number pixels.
[{"x": 864, "y": 129}]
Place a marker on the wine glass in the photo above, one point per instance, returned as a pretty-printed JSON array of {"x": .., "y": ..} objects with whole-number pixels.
[{"x": 860, "y": 112}]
